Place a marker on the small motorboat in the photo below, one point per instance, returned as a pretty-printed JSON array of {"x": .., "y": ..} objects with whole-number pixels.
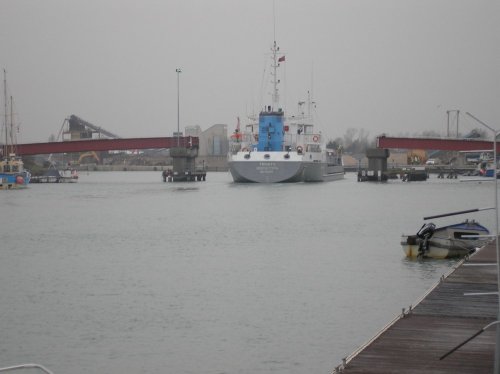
[
  {"x": 456, "y": 240},
  {"x": 54, "y": 175}
]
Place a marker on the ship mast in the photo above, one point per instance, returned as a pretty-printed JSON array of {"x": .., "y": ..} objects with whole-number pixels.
[
  {"x": 275, "y": 49},
  {"x": 275, "y": 65}
]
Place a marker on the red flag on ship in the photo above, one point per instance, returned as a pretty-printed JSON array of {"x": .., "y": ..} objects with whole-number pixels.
[
  {"x": 237, "y": 135},
  {"x": 281, "y": 59}
]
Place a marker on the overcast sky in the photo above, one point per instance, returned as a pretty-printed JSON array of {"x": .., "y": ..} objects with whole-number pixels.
[{"x": 387, "y": 66}]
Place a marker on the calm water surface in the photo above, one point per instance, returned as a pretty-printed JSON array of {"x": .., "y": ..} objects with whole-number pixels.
[{"x": 121, "y": 273}]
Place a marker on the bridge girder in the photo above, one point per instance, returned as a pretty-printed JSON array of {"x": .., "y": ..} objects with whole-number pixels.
[
  {"x": 443, "y": 144},
  {"x": 106, "y": 145}
]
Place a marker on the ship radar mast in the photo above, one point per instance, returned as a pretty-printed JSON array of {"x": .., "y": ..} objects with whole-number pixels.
[
  {"x": 275, "y": 96},
  {"x": 275, "y": 49}
]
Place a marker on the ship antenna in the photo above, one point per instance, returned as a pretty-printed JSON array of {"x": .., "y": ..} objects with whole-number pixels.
[
  {"x": 274, "y": 20},
  {"x": 275, "y": 50}
]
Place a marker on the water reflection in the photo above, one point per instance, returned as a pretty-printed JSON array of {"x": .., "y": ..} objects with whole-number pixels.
[
  {"x": 184, "y": 189},
  {"x": 428, "y": 268}
]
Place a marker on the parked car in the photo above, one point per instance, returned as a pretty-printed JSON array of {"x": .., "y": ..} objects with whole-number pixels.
[{"x": 430, "y": 161}]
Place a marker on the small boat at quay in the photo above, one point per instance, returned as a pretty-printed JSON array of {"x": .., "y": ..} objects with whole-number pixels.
[
  {"x": 456, "y": 240},
  {"x": 274, "y": 148},
  {"x": 54, "y": 175},
  {"x": 12, "y": 172}
]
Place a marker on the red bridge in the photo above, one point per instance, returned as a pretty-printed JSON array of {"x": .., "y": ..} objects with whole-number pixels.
[
  {"x": 445, "y": 144},
  {"x": 106, "y": 145}
]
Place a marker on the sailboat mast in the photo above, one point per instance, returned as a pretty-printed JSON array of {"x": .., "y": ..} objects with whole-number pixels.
[
  {"x": 12, "y": 142},
  {"x": 5, "y": 150}
]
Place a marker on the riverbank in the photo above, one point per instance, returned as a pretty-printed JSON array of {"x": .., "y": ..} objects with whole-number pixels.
[{"x": 94, "y": 167}]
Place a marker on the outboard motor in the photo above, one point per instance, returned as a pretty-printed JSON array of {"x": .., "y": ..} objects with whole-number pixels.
[
  {"x": 426, "y": 231},
  {"x": 424, "y": 234}
]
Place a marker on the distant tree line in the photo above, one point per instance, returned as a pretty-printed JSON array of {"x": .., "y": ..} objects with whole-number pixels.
[{"x": 354, "y": 141}]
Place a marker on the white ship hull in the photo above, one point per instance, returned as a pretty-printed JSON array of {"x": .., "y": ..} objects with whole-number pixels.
[
  {"x": 322, "y": 172},
  {"x": 280, "y": 167}
]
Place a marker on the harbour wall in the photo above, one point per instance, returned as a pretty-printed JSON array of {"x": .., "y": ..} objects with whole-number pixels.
[{"x": 208, "y": 163}]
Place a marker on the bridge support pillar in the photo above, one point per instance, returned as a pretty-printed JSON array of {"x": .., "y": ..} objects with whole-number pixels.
[
  {"x": 184, "y": 165},
  {"x": 377, "y": 165}
]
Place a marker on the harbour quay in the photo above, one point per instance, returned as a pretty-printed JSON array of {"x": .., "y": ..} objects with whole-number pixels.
[{"x": 424, "y": 337}]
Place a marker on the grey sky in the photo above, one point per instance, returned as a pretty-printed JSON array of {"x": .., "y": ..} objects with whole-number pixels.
[{"x": 392, "y": 66}]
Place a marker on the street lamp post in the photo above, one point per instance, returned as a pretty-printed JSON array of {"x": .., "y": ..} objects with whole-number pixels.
[
  {"x": 178, "y": 71},
  {"x": 495, "y": 133}
]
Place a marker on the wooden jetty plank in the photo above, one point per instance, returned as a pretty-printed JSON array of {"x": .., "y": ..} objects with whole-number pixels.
[
  {"x": 487, "y": 254},
  {"x": 444, "y": 318},
  {"x": 449, "y": 299},
  {"x": 405, "y": 348}
]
